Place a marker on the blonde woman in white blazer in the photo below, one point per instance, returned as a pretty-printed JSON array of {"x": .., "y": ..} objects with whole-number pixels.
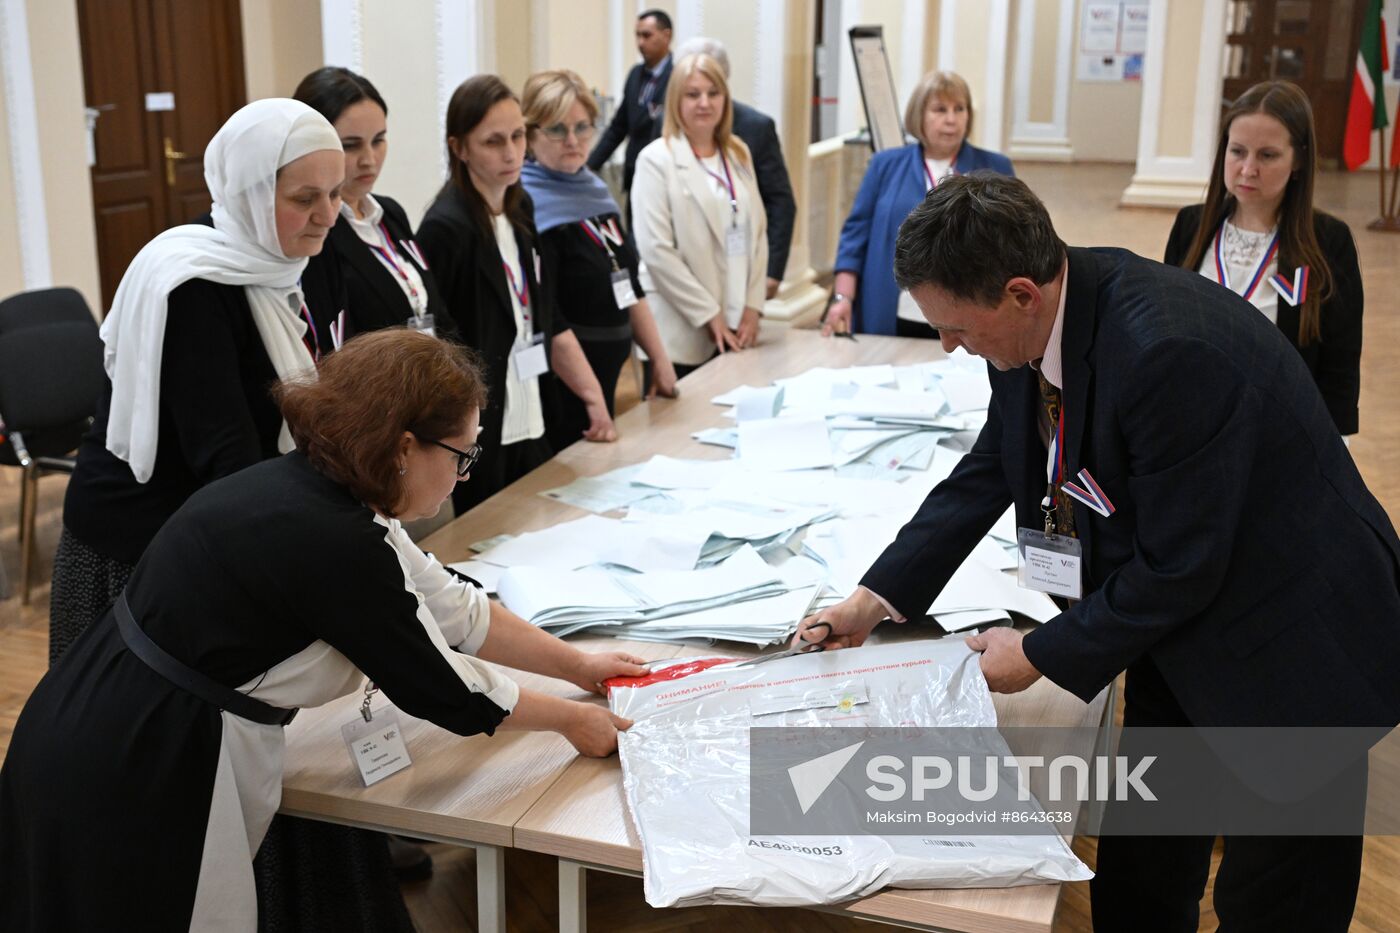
[{"x": 699, "y": 221}]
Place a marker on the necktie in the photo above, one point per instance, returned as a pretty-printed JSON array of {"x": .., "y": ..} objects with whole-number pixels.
[{"x": 1064, "y": 508}]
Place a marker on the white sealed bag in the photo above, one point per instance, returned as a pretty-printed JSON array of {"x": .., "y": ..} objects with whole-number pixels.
[{"x": 686, "y": 775}]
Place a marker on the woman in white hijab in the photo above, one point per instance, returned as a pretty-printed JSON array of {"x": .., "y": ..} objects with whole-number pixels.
[{"x": 207, "y": 317}]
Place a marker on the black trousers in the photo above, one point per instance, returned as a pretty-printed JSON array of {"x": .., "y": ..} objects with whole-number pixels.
[
  {"x": 1154, "y": 884},
  {"x": 606, "y": 357}
]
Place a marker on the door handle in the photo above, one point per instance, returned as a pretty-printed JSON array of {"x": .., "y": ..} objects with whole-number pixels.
[{"x": 171, "y": 157}]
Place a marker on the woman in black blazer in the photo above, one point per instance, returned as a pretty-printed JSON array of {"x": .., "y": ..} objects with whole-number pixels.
[
  {"x": 386, "y": 274},
  {"x": 479, "y": 238},
  {"x": 1258, "y": 234}
]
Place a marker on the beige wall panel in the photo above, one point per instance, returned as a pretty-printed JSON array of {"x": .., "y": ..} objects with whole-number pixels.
[
  {"x": 58, "y": 97},
  {"x": 1183, "y": 53},
  {"x": 576, "y": 37},
  {"x": 972, "y": 64},
  {"x": 400, "y": 57},
  {"x": 1103, "y": 116},
  {"x": 515, "y": 43},
  {"x": 11, "y": 274},
  {"x": 281, "y": 44},
  {"x": 734, "y": 22},
  {"x": 1103, "y": 120},
  {"x": 1044, "y": 56}
]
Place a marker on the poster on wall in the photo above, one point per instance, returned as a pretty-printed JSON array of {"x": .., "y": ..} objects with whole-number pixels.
[
  {"x": 877, "y": 89},
  {"x": 1112, "y": 40}
]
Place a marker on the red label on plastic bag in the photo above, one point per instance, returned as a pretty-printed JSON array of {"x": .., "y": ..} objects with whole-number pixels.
[{"x": 673, "y": 672}]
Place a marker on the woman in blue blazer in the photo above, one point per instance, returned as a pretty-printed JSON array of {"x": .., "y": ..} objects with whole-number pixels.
[{"x": 865, "y": 298}]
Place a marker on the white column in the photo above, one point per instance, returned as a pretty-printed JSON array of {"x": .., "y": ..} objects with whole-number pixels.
[
  {"x": 947, "y": 34},
  {"x": 617, "y": 49},
  {"x": 992, "y": 108},
  {"x": 688, "y": 21},
  {"x": 985, "y": 72},
  {"x": 1176, "y": 180},
  {"x": 341, "y": 42},
  {"x": 1041, "y": 141},
  {"x": 914, "y": 18},
  {"x": 783, "y": 67},
  {"x": 459, "y": 31},
  {"x": 770, "y": 46},
  {"x": 26, "y": 161}
]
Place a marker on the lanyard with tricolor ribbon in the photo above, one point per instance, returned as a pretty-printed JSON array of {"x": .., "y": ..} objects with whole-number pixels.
[
  {"x": 605, "y": 236},
  {"x": 521, "y": 291},
  {"x": 1054, "y": 472},
  {"x": 390, "y": 258},
  {"x": 1222, "y": 274},
  {"x": 727, "y": 180},
  {"x": 311, "y": 339}
]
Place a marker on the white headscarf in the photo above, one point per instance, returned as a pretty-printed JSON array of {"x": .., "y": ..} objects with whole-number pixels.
[{"x": 240, "y": 168}]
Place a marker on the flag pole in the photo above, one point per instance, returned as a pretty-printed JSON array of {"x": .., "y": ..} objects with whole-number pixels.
[{"x": 1387, "y": 222}]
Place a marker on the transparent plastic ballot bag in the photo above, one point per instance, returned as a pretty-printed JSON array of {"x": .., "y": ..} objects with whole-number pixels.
[{"x": 685, "y": 769}]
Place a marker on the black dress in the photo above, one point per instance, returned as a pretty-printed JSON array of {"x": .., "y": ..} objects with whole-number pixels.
[
  {"x": 581, "y": 260},
  {"x": 127, "y": 803},
  {"x": 467, "y": 264},
  {"x": 216, "y": 418}
]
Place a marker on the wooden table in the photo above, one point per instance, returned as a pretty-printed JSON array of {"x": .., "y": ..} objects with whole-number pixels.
[{"x": 531, "y": 790}]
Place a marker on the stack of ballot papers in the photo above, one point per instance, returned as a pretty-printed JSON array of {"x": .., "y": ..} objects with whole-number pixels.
[{"x": 741, "y": 599}]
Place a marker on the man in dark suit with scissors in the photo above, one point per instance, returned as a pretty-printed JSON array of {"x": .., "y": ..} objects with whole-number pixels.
[
  {"x": 1173, "y": 465},
  {"x": 640, "y": 111}
]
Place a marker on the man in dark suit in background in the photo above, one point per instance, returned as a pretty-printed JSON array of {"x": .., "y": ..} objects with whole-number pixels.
[
  {"x": 642, "y": 107},
  {"x": 1232, "y": 560},
  {"x": 760, "y": 134}
]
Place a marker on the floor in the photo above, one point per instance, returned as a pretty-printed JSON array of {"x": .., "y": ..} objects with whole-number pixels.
[{"x": 1083, "y": 203}]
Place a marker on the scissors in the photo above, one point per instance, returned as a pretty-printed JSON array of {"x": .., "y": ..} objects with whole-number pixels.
[{"x": 811, "y": 648}]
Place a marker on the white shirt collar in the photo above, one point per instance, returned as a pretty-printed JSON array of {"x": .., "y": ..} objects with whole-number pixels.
[
  {"x": 1052, "y": 364},
  {"x": 367, "y": 227}
]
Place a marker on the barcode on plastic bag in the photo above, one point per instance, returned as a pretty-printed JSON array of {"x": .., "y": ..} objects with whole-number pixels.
[{"x": 951, "y": 843}]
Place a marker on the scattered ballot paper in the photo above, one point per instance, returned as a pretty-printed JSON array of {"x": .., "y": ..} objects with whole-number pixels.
[{"x": 777, "y": 444}]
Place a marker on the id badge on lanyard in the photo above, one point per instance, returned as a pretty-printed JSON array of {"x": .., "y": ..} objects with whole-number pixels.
[
  {"x": 736, "y": 240},
  {"x": 530, "y": 359},
  {"x": 602, "y": 234},
  {"x": 1048, "y": 562},
  {"x": 423, "y": 322},
  {"x": 623, "y": 295},
  {"x": 375, "y": 741}
]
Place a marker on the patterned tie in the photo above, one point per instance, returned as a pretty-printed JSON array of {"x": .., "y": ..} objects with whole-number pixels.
[{"x": 1064, "y": 508}]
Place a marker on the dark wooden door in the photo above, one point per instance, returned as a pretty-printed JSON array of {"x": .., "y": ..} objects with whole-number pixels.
[
  {"x": 1309, "y": 42},
  {"x": 161, "y": 77}
]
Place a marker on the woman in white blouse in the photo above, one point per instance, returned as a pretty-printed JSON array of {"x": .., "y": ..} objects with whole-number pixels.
[{"x": 699, "y": 221}]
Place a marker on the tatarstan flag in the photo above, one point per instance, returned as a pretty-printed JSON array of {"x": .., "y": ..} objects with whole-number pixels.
[{"x": 1366, "y": 113}]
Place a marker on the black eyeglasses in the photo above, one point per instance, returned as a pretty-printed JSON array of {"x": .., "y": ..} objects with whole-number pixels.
[{"x": 466, "y": 459}]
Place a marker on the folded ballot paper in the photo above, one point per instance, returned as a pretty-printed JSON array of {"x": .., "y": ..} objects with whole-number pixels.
[{"x": 685, "y": 773}]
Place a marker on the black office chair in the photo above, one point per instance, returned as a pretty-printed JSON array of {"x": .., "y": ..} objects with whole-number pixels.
[
  {"x": 42, "y": 307},
  {"x": 50, "y": 379}
]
